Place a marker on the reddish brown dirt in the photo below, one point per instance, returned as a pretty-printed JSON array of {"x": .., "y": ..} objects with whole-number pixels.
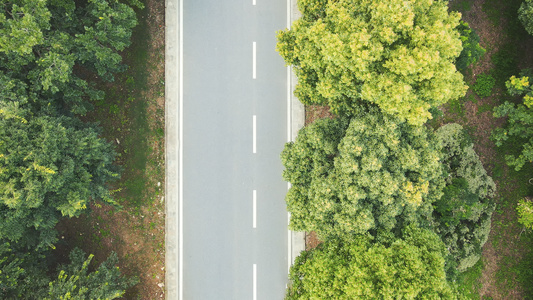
[
  {"x": 480, "y": 126},
  {"x": 136, "y": 234},
  {"x": 313, "y": 113}
]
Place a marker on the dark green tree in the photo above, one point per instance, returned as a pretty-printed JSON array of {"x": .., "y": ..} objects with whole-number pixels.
[
  {"x": 525, "y": 15},
  {"x": 51, "y": 164},
  {"x": 463, "y": 215},
  {"x": 75, "y": 280},
  {"x": 369, "y": 174},
  {"x": 49, "y": 167},
  {"x": 22, "y": 273},
  {"x": 410, "y": 267},
  {"x": 472, "y": 51},
  {"x": 53, "y": 46},
  {"x": 25, "y": 275}
]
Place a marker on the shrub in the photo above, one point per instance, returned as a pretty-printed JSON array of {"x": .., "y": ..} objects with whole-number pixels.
[
  {"x": 525, "y": 15},
  {"x": 525, "y": 213},
  {"x": 518, "y": 129},
  {"x": 484, "y": 85},
  {"x": 472, "y": 51}
]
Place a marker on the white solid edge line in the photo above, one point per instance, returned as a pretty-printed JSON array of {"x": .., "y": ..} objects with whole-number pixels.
[
  {"x": 254, "y": 204},
  {"x": 254, "y": 285},
  {"x": 254, "y": 64},
  {"x": 254, "y": 129},
  {"x": 180, "y": 239},
  {"x": 180, "y": 155},
  {"x": 253, "y": 2},
  {"x": 289, "y": 137},
  {"x": 288, "y": 14}
]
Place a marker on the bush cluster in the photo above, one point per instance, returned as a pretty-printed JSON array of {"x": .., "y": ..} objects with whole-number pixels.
[
  {"x": 484, "y": 84},
  {"x": 472, "y": 51}
]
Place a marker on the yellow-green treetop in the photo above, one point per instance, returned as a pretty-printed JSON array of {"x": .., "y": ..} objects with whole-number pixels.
[{"x": 397, "y": 54}]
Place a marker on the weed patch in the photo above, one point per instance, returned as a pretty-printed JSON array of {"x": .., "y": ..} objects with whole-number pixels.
[{"x": 484, "y": 85}]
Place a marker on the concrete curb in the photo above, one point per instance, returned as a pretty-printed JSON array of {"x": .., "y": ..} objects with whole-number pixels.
[
  {"x": 172, "y": 146},
  {"x": 297, "y": 122}
]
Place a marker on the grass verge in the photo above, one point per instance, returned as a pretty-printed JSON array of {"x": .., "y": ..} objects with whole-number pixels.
[{"x": 132, "y": 117}]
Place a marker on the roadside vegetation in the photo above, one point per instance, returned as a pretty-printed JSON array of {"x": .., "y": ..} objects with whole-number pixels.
[
  {"x": 416, "y": 126},
  {"x": 81, "y": 149}
]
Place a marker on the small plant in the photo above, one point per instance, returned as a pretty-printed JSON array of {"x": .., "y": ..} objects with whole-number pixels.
[
  {"x": 484, "y": 85},
  {"x": 472, "y": 51},
  {"x": 525, "y": 213},
  {"x": 113, "y": 109},
  {"x": 525, "y": 15}
]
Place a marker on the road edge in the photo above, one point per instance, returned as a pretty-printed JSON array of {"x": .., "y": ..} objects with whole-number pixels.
[
  {"x": 172, "y": 148},
  {"x": 297, "y": 122}
]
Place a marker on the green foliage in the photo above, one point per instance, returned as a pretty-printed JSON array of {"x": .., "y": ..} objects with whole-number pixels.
[
  {"x": 42, "y": 41},
  {"x": 525, "y": 15},
  {"x": 472, "y": 51},
  {"x": 21, "y": 273},
  {"x": 50, "y": 167},
  {"x": 462, "y": 216},
  {"x": 399, "y": 55},
  {"x": 525, "y": 213},
  {"x": 408, "y": 268},
  {"x": 505, "y": 61},
  {"x": 484, "y": 84},
  {"x": 519, "y": 123},
  {"x": 51, "y": 164},
  {"x": 24, "y": 276},
  {"x": 371, "y": 174},
  {"x": 76, "y": 282}
]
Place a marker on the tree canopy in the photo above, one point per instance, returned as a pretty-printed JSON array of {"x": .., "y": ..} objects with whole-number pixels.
[
  {"x": 411, "y": 267},
  {"x": 75, "y": 281},
  {"x": 52, "y": 47},
  {"x": 525, "y": 15},
  {"x": 49, "y": 167},
  {"x": 519, "y": 122},
  {"x": 370, "y": 173},
  {"x": 24, "y": 276},
  {"x": 399, "y": 55},
  {"x": 52, "y": 164},
  {"x": 472, "y": 51},
  {"x": 463, "y": 215}
]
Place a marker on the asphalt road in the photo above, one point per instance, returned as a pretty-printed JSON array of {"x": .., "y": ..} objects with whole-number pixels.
[{"x": 234, "y": 238}]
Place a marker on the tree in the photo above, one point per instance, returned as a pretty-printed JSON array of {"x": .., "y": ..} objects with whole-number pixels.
[
  {"x": 24, "y": 276},
  {"x": 519, "y": 122},
  {"x": 398, "y": 55},
  {"x": 368, "y": 174},
  {"x": 525, "y": 15},
  {"x": 76, "y": 282},
  {"x": 49, "y": 167},
  {"x": 411, "y": 267},
  {"x": 41, "y": 43},
  {"x": 22, "y": 273},
  {"x": 51, "y": 164},
  {"x": 463, "y": 215},
  {"x": 472, "y": 51}
]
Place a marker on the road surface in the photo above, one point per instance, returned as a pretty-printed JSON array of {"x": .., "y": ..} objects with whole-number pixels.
[{"x": 233, "y": 124}]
